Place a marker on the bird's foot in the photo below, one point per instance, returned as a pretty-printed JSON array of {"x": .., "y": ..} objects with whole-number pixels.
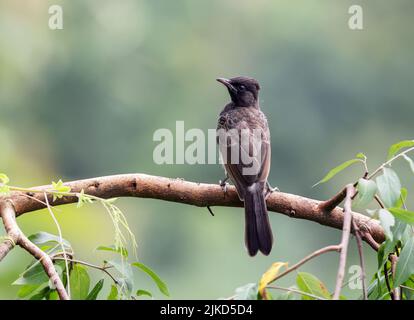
[
  {"x": 223, "y": 184},
  {"x": 270, "y": 190}
]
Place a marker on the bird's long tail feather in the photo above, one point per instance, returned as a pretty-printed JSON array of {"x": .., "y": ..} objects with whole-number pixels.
[{"x": 258, "y": 233}]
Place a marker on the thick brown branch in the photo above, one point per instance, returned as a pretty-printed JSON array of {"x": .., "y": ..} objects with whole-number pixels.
[
  {"x": 7, "y": 212},
  {"x": 197, "y": 194}
]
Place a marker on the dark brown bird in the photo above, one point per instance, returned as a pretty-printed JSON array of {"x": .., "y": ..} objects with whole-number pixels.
[{"x": 245, "y": 150}]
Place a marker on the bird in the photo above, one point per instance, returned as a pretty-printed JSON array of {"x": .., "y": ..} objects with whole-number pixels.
[{"x": 242, "y": 118}]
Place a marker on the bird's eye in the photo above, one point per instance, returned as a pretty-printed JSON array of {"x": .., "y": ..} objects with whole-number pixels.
[{"x": 242, "y": 87}]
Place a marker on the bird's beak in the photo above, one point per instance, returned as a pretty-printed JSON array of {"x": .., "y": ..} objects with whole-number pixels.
[{"x": 227, "y": 83}]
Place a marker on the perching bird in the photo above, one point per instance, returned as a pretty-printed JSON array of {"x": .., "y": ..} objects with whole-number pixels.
[{"x": 242, "y": 118}]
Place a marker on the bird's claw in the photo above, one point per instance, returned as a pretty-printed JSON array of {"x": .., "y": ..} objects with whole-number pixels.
[
  {"x": 270, "y": 190},
  {"x": 223, "y": 185}
]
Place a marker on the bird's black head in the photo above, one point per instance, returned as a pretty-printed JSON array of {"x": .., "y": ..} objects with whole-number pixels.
[{"x": 244, "y": 91}]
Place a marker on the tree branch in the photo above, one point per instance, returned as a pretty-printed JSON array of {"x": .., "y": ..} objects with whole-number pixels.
[
  {"x": 345, "y": 240},
  {"x": 361, "y": 259},
  {"x": 8, "y": 215},
  {"x": 197, "y": 194}
]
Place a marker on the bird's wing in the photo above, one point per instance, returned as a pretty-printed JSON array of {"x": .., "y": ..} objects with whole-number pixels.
[{"x": 253, "y": 161}]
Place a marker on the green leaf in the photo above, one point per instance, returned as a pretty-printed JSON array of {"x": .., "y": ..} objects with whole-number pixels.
[
  {"x": 4, "y": 179},
  {"x": 4, "y": 190},
  {"x": 308, "y": 283},
  {"x": 95, "y": 291},
  {"x": 387, "y": 221},
  {"x": 41, "y": 238},
  {"x": 289, "y": 295},
  {"x": 36, "y": 275},
  {"x": 79, "y": 282},
  {"x": 247, "y": 292},
  {"x": 126, "y": 281},
  {"x": 336, "y": 170},
  {"x": 398, "y": 146},
  {"x": 366, "y": 192},
  {"x": 58, "y": 188},
  {"x": 144, "y": 293},
  {"x": 28, "y": 289},
  {"x": 410, "y": 162},
  {"x": 387, "y": 247},
  {"x": 402, "y": 199},
  {"x": 405, "y": 264},
  {"x": 160, "y": 284},
  {"x": 52, "y": 295},
  {"x": 361, "y": 156},
  {"x": 389, "y": 187},
  {"x": 113, "y": 295},
  {"x": 41, "y": 294},
  {"x": 122, "y": 251},
  {"x": 403, "y": 215}
]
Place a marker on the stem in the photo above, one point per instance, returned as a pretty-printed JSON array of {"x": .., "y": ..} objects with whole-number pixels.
[
  {"x": 296, "y": 291},
  {"x": 361, "y": 258},
  {"x": 388, "y": 162},
  {"x": 306, "y": 259},
  {"x": 61, "y": 243},
  {"x": 344, "y": 241},
  {"x": 103, "y": 269}
]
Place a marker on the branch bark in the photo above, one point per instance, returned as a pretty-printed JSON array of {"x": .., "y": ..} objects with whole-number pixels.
[
  {"x": 197, "y": 194},
  {"x": 13, "y": 231}
]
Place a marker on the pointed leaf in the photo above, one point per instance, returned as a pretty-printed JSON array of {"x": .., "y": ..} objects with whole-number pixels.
[
  {"x": 79, "y": 282},
  {"x": 4, "y": 179},
  {"x": 405, "y": 264},
  {"x": 403, "y": 215},
  {"x": 95, "y": 291},
  {"x": 366, "y": 192},
  {"x": 160, "y": 284},
  {"x": 410, "y": 162},
  {"x": 268, "y": 277},
  {"x": 122, "y": 251},
  {"x": 113, "y": 295},
  {"x": 398, "y": 146},
  {"x": 389, "y": 187},
  {"x": 308, "y": 283},
  {"x": 336, "y": 170},
  {"x": 387, "y": 221},
  {"x": 141, "y": 292},
  {"x": 246, "y": 292},
  {"x": 44, "y": 237}
]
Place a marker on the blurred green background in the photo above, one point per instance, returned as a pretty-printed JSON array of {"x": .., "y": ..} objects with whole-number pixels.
[{"x": 85, "y": 101}]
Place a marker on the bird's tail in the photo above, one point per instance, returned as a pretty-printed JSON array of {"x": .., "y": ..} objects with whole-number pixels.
[{"x": 258, "y": 234}]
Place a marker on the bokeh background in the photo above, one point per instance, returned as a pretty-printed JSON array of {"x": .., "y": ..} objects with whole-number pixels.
[{"x": 85, "y": 101}]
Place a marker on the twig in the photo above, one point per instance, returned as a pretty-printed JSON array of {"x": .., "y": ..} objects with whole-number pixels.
[
  {"x": 381, "y": 204},
  {"x": 49, "y": 208},
  {"x": 344, "y": 241},
  {"x": 211, "y": 211},
  {"x": 361, "y": 258},
  {"x": 9, "y": 220},
  {"x": 387, "y": 282},
  {"x": 296, "y": 291},
  {"x": 330, "y": 204},
  {"x": 370, "y": 240},
  {"x": 388, "y": 162},
  {"x": 103, "y": 269},
  {"x": 394, "y": 260},
  {"x": 306, "y": 259}
]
